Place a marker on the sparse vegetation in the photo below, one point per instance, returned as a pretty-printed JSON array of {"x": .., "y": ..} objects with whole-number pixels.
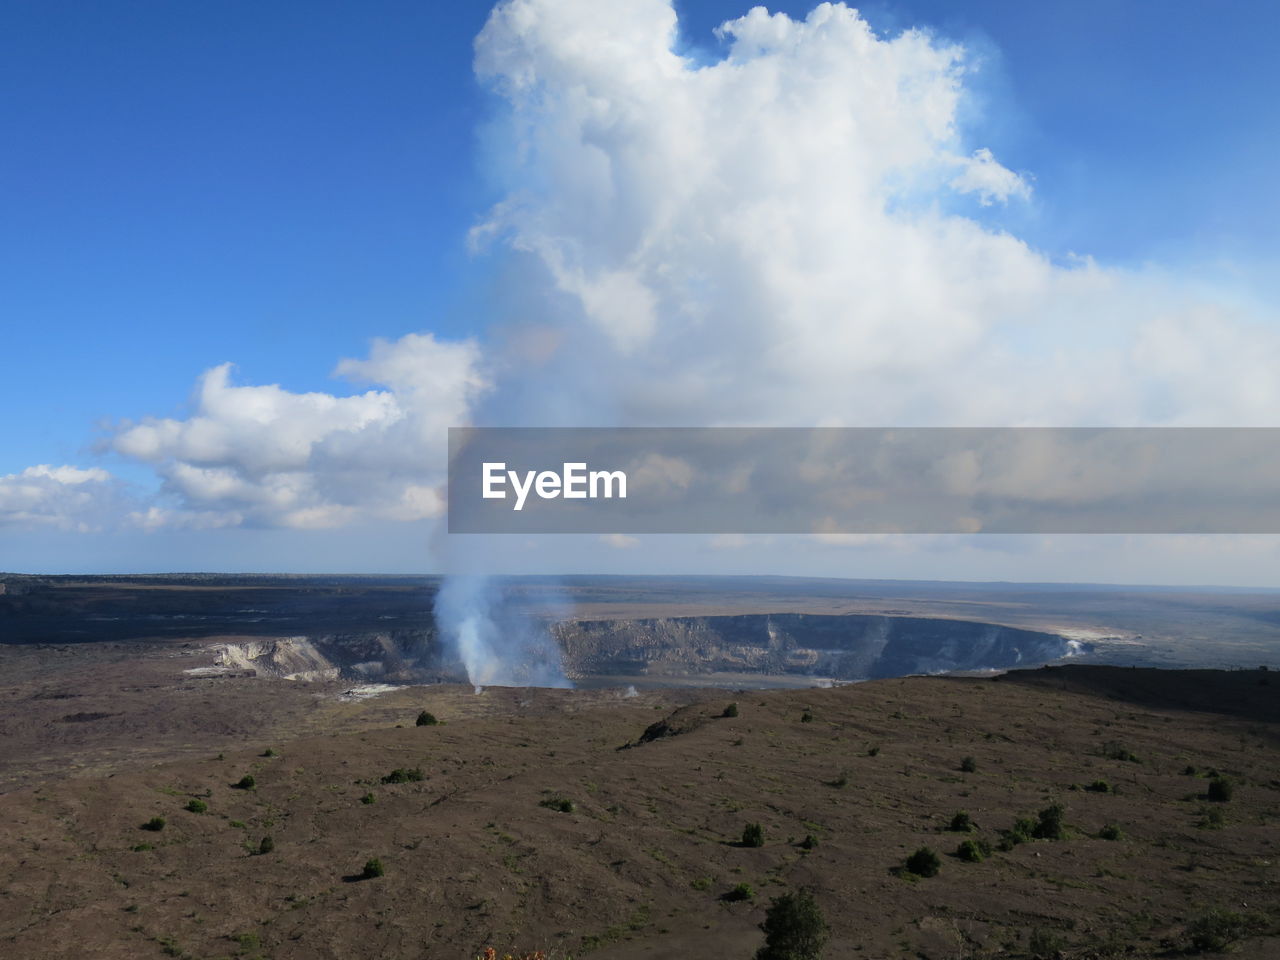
[
  {"x": 730, "y": 711},
  {"x": 968, "y": 765},
  {"x": 806, "y": 717},
  {"x": 266, "y": 845},
  {"x": 810, "y": 842},
  {"x": 1216, "y": 930},
  {"x": 557, "y": 802},
  {"x": 753, "y": 835},
  {"x": 841, "y": 780},
  {"x": 701, "y": 883},
  {"x": 372, "y": 868},
  {"x": 246, "y": 782},
  {"x": 269, "y": 753},
  {"x": 961, "y": 822},
  {"x": 1051, "y": 825},
  {"x": 973, "y": 851},
  {"x": 1044, "y": 944},
  {"x": 1221, "y": 790},
  {"x": 155, "y": 824},
  {"x": 794, "y": 928},
  {"x": 1115, "y": 750},
  {"x": 873, "y": 751},
  {"x": 426, "y": 719},
  {"x": 1099, "y": 786},
  {"x": 368, "y": 798},
  {"x": 1111, "y": 832},
  {"x": 742, "y": 891},
  {"x": 195, "y": 805},
  {"x": 405, "y": 775},
  {"x": 924, "y": 863}
]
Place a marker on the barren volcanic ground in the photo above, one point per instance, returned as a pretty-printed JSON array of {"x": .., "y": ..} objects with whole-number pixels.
[{"x": 531, "y": 829}]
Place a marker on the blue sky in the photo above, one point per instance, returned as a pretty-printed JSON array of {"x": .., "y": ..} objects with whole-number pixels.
[{"x": 275, "y": 185}]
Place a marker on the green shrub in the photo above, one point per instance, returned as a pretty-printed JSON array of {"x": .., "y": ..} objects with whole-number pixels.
[
  {"x": 968, "y": 765},
  {"x": 155, "y": 824},
  {"x": 142, "y": 848},
  {"x": 742, "y": 891},
  {"x": 730, "y": 711},
  {"x": 794, "y": 928},
  {"x": 266, "y": 846},
  {"x": 1051, "y": 825},
  {"x": 562, "y": 804},
  {"x": 426, "y": 719},
  {"x": 1214, "y": 819},
  {"x": 1190, "y": 771},
  {"x": 269, "y": 752},
  {"x": 810, "y": 842},
  {"x": 753, "y": 835},
  {"x": 1099, "y": 786},
  {"x": 973, "y": 851},
  {"x": 1111, "y": 832},
  {"x": 806, "y": 717},
  {"x": 405, "y": 775},
  {"x": 701, "y": 883},
  {"x": 924, "y": 863},
  {"x": 1022, "y": 831},
  {"x": 368, "y": 798},
  {"x": 841, "y": 781},
  {"x": 1045, "y": 944},
  {"x": 961, "y": 823},
  {"x": 372, "y": 868},
  {"x": 246, "y": 782},
  {"x": 1115, "y": 750},
  {"x": 1220, "y": 790},
  {"x": 1216, "y": 930},
  {"x": 197, "y": 806},
  {"x": 873, "y": 752}
]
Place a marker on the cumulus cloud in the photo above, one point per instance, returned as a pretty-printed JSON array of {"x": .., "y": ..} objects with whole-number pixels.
[
  {"x": 63, "y": 498},
  {"x": 265, "y": 456},
  {"x": 782, "y": 237}
]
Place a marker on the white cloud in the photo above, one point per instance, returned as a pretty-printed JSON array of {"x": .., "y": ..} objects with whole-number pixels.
[
  {"x": 771, "y": 239},
  {"x": 265, "y": 456},
  {"x": 64, "y": 498}
]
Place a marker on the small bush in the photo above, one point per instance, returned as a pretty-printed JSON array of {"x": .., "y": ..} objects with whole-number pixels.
[
  {"x": 405, "y": 775},
  {"x": 142, "y": 848},
  {"x": 1022, "y": 831},
  {"x": 701, "y": 883},
  {"x": 924, "y": 863},
  {"x": 730, "y": 711},
  {"x": 246, "y": 782},
  {"x": 197, "y": 806},
  {"x": 806, "y": 717},
  {"x": 368, "y": 798},
  {"x": 1051, "y": 825},
  {"x": 1216, "y": 930},
  {"x": 873, "y": 752},
  {"x": 269, "y": 752},
  {"x": 1115, "y": 750},
  {"x": 1045, "y": 944},
  {"x": 266, "y": 846},
  {"x": 1111, "y": 832},
  {"x": 1221, "y": 790},
  {"x": 561, "y": 804},
  {"x": 372, "y": 868},
  {"x": 794, "y": 928},
  {"x": 961, "y": 823},
  {"x": 742, "y": 891},
  {"x": 753, "y": 835},
  {"x": 1190, "y": 771},
  {"x": 968, "y": 765},
  {"x": 426, "y": 719},
  {"x": 1099, "y": 786},
  {"x": 155, "y": 824},
  {"x": 810, "y": 842},
  {"x": 841, "y": 781},
  {"x": 973, "y": 851}
]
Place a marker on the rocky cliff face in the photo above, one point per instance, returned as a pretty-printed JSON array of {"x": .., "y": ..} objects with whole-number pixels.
[{"x": 851, "y": 647}]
